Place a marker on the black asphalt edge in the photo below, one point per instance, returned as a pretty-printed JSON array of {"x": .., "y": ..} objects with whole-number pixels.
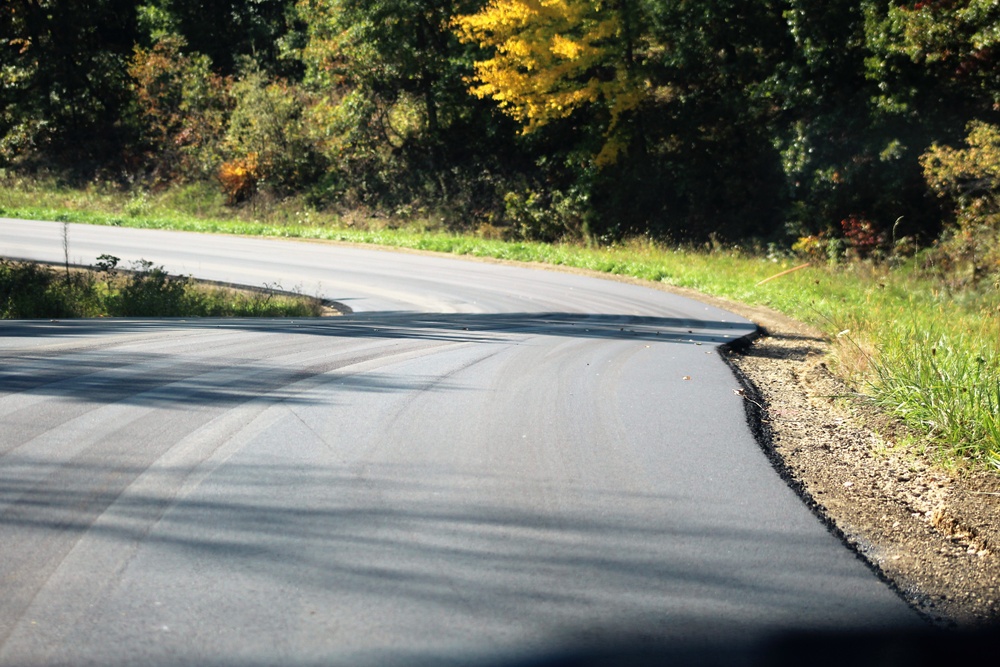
[
  {"x": 341, "y": 308},
  {"x": 759, "y": 420}
]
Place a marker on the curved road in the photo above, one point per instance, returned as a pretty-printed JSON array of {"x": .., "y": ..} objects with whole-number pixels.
[{"x": 481, "y": 461}]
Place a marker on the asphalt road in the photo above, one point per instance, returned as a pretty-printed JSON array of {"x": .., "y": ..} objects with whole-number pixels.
[{"x": 482, "y": 462}]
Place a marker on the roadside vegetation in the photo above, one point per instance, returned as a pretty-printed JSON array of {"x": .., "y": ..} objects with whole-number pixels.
[
  {"x": 920, "y": 339},
  {"x": 704, "y": 144},
  {"x": 35, "y": 291}
]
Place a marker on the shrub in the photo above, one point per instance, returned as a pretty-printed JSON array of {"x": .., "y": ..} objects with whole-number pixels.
[
  {"x": 969, "y": 179},
  {"x": 32, "y": 291},
  {"x": 150, "y": 292},
  {"x": 239, "y": 178},
  {"x": 267, "y": 139},
  {"x": 184, "y": 108},
  {"x": 861, "y": 236},
  {"x": 546, "y": 216}
]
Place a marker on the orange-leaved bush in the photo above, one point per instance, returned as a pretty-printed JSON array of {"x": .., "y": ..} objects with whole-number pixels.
[{"x": 239, "y": 178}]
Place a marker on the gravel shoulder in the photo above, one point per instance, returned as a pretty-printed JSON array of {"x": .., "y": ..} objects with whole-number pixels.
[{"x": 932, "y": 533}]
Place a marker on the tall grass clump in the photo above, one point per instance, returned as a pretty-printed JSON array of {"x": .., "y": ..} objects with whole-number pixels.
[{"x": 945, "y": 383}]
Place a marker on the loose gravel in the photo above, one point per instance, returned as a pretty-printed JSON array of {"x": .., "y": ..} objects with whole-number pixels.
[{"x": 931, "y": 532}]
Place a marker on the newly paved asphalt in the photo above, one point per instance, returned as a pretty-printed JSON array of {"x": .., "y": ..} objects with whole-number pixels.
[{"x": 481, "y": 463}]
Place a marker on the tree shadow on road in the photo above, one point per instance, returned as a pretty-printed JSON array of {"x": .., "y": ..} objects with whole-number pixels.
[
  {"x": 118, "y": 360},
  {"x": 424, "y": 326},
  {"x": 609, "y": 564}
]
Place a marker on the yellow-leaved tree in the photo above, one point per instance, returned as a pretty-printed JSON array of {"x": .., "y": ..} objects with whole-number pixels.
[{"x": 551, "y": 58}]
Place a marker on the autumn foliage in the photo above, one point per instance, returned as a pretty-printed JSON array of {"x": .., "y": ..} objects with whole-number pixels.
[
  {"x": 239, "y": 178},
  {"x": 550, "y": 58},
  {"x": 184, "y": 106}
]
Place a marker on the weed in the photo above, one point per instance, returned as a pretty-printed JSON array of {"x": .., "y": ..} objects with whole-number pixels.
[{"x": 930, "y": 380}]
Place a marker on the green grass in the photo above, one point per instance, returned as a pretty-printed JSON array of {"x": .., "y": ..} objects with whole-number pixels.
[
  {"x": 925, "y": 353},
  {"x": 33, "y": 291}
]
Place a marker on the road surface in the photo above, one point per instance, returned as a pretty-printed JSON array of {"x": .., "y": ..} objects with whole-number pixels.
[{"x": 482, "y": 462}]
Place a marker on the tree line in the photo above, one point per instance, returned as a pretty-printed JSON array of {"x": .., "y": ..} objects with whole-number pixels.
[{"x": 858, "y": 123}]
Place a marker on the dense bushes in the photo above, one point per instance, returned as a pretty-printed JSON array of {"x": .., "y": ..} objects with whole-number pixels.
[
  {"x": 30, "y": 291},
  {"x": 183, "y": 110},
  {"x": 268, "y": 134}
]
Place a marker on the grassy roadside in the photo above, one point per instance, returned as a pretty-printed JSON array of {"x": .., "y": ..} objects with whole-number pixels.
[
  {"x": 928, "y": 353},
  {"x": 35, "y": 291}
]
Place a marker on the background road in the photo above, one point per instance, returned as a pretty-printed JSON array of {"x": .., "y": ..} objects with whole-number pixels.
[{"x": 482, "y": 461}]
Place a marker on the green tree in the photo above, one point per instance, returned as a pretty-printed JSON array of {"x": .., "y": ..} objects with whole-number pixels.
[
  {"x": 848, "y": 160},
  {"x": 64, "y": 86},
  {"x": 226, "y": 30},
  {"x": 183, "y": 109},
  {"x": 933, "y": 68},
  {"x": 936, "y": 58},
  {"x": 716, "y": 104},
  {"x": 390, "y": 50},
  {"x": 392, "y": 113}
]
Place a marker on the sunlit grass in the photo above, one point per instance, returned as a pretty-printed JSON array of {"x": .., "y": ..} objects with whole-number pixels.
[
  {"x": 926, "y": 354},
  {"x": 948, "y": 384},
  {"x": 33, "y": 291}
]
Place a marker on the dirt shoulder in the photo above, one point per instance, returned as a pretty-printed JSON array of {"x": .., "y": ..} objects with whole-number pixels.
[{"x": 932, "y": 533}]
